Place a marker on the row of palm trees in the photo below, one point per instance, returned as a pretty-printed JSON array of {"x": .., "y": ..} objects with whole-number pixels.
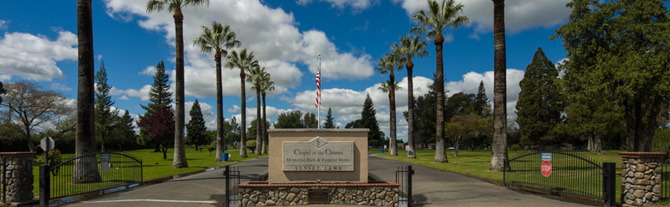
[
  {"x": 432, "y": 23},
  {"x": 221, "y": 39}
]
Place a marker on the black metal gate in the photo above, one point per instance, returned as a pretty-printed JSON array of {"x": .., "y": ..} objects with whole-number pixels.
[
  {"x": 403, "y": 176},
  {"x": 116, "y": 172},
  {"x": 566, "y": 174},
  {"x": 232, "y": 175}
]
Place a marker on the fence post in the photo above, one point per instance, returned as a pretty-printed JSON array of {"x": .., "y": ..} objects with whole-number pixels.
[
  {"x": 44, "y": 185},
  {"x": 609, "y": 176},
  {"x": 4, "y": 179},
  {"x": 226, "y": 173},
  {"x": 410, "y": 172}
]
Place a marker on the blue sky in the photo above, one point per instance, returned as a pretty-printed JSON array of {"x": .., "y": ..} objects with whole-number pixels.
[{"x": 38, "y": 42}]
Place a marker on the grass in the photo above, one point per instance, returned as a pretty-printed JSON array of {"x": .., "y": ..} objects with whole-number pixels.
[
  {"x": 157, "y": 168},
  {"x": 476, "y": 163}
]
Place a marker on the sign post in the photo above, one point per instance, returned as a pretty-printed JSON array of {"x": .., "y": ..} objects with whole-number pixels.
[{"x": 47, "y": 144}]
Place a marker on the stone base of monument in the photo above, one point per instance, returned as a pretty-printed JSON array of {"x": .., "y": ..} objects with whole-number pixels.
[
  {"x": 318, "y": 166},
  {"x": 261, "y": 193}
]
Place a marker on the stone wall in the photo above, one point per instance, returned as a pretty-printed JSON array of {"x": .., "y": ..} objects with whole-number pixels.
[
  {"x": 278, "y": 195},
  {"x": 19, "y": 176},
  {"x": 641, "y": 178}
]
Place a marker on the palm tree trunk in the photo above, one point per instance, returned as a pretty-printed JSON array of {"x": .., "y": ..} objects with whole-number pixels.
[
  {"x": 440, "y": 154},
  {"x": 265, "y": 132},
  {"x": 219, "y": 108},
  {"x": 179, "y": 160},
  {"x": 85, "y": 170},
  {"x": 259, "y": 124},
  {"x": 394, "y": 146},
  {"x": 499, "y": 145},
  {"x": 243, "y": 129},
  {"x": 410, "y": 110}
]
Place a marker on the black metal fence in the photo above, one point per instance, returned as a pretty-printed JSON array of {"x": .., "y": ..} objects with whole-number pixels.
[
  {"x": 232, "y": 175},
  {"x": 665, "y": 181},
  {"x": 566, "y": 174},
  {"x": 403, "y": 176},
  {"x": 115, "y": 171}
]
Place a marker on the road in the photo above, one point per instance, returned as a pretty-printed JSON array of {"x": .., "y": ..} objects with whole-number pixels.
[
  {"x": 438, "y": 188},
  {"x": 430, "y": 187}
]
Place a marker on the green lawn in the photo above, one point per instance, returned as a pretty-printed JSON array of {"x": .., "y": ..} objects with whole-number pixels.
[
  {"x": 156, "y": 168},
  {"x": 476, "y": 163}
]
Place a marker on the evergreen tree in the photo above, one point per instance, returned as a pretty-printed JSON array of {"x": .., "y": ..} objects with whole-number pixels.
[
  {"x": 481, "y": 103},
  {"x": 539, "y": 106},
  {"x": 158, "y": 122},
  {"x": 368, "y": 120},
  {"x": 618, "y": 63},
  {"x": 460, "y": 104},
  {"x": 310, "y": 120},
  {"x": 330, "y": 121},
  {"x": 196, "y": 126},
  {"x": 290, "y": 119},
  {"x": 104, "y": 115},
  {"x": 125, "y": 130}
]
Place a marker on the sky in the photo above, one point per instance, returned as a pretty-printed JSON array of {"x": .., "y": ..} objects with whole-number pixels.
[{"x": 38, "y": 42}]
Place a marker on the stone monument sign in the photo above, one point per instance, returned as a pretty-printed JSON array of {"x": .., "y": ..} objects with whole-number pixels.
[{"x": 318, "y": 155}]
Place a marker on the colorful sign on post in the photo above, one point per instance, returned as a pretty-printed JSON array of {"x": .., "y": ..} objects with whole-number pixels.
[
  {"x": 545, "y": 168},
  {"x": 546, "y": 156}
]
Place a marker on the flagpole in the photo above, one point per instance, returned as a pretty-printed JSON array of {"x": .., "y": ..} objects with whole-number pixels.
[{"x": 318, "y": 108}]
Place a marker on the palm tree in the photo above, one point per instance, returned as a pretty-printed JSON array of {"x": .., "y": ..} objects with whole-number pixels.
[
  {"x": 438, "y": 18},
  {"x": 409, "y": 47},
  {"x": 175, "y": 6},
  {"x": 85, "y": 169},
  {"x": 219, "y": 39},
  {"x": 390, "y": 87},
  {"x": 499, "y": 145},
  {"x": 388, "y": 64},
  {"x": 266, "y": 85},
  {"x": 244, "y": 61},
  {"x": 256, "y": 77}
]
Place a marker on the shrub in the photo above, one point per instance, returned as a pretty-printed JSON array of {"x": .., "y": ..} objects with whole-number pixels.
[
  {"x": 251, "y": 144},
  {"x": 515, "y": 147},
  {"x": 211, "y": 148},
  {"x": 662, "y": 141}
]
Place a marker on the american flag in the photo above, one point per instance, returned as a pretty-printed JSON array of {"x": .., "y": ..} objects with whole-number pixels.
[{"x": 318, "y": 89}]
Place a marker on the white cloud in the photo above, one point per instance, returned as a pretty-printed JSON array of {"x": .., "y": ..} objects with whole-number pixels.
[
  {"x": 149, "y": 70},
  {"x": 3, "y": 24},
  {"x": 235, "y": 108},
  {"x": 143, "y": 93},
  {"x": 99, "y": 57},
  {"x": 124, "y": 97},
  {"x": 270, "y": 32},
  {"x": 356, "y": 5},
  {"x": 471, "y": 80},
  {"x": 519, "y": 14},
  {"x": 60, "y": 87},
  {"x": 5, "y": 77},
  {"x": 34, "y": 57}
]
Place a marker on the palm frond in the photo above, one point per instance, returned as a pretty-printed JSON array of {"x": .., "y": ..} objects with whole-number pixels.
[{"x": 154, "y": 5}]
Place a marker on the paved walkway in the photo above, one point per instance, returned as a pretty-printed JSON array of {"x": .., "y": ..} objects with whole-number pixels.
[{"x": 430, "y": 187}]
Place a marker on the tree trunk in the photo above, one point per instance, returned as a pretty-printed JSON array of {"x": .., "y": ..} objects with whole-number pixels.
[
  {"x": 179, "y": 160},
  {"x": 102, "y": 145},
  {"x": 457, "y": 143},
  {"x": 85, "y": 170},
  {"x": 259, "y": 131},
  {"x": 265, "y": 131},
  {"x": 164, "y": 151},
  {"x": 394, "y": 145},
  {"x": 219, "y": 108},
  {"x": 158, "y": 147},
  {"x": 410, "y": 110},
  {"x": 499, "y": 145},
  {"x": 440, "y": 154},
  {"x": 243, "y": 128}
]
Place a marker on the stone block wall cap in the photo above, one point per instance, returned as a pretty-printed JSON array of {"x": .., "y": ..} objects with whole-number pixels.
[
  {"x": 645, "y": 155},
  {"x": 17, "y": 154},
  {"x": 319, "y": 130}
]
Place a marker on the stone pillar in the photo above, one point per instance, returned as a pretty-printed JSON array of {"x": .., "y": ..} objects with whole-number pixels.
[
  {"x": 641, "y": 178},
  {"x": 19, "y": 176}
]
